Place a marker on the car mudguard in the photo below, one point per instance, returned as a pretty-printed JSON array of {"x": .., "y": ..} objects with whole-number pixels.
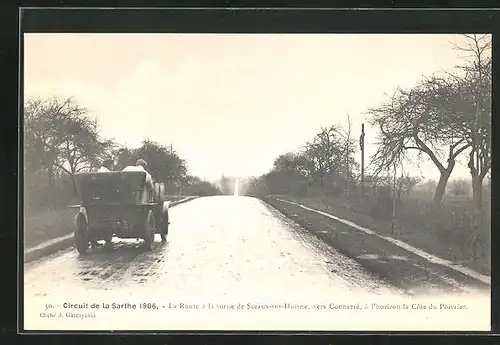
[{"x": 166, "y": 206}]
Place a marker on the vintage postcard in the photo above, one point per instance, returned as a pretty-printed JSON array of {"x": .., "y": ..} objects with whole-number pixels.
[{"x": 312, "y": 182}]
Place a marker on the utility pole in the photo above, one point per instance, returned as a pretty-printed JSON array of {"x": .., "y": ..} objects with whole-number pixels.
[
  {"x": 394, "y": 221},
  {"x": 362, "y": 146},
  {"x": 346, "y": 192}
]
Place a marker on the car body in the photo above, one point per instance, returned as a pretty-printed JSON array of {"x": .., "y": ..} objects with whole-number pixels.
[{"x": 117, "y": 203}]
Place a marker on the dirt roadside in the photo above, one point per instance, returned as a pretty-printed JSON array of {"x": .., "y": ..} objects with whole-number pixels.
[{"x": 396, "y": 265}]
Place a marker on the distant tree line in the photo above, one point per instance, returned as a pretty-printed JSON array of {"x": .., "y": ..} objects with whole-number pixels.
[
  {"x": 61, "y": 139},
  {"x": 327, "y": 162}
]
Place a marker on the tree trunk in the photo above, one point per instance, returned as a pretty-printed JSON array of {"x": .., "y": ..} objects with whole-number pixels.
[
  {"x": 50, "y": 173},
  {"x": 477, "y": 173},
  {"x": 477, "y": 192},
  {"x": 73, "y": 182},
  {"x": 441, "y": 187}
]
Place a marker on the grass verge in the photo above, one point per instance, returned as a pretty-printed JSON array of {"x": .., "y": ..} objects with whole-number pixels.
[
  {"x": 450, "y": 244},
  {"x": 45, "y": 225}
]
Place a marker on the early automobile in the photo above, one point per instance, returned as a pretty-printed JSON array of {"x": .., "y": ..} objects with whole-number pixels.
[{"x": 118, "y": 203}]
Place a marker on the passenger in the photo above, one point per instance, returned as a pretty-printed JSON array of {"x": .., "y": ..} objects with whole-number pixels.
[
  {"x": 107, "y": 166},
  {"x": 141, "y": 165}
]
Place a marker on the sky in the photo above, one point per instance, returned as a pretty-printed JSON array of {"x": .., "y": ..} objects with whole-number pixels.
[{"x": 231, "y": 103}]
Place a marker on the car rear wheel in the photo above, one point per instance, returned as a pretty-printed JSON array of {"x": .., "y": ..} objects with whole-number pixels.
[
  {"x": 149, "y": 230},
  {"x": 81, "y": 234},
  {"x": 108, "y": 241}
]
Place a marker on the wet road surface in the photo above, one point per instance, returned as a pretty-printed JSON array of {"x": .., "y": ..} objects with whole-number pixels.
[
  {"x": 224, "y": 242},
  {"x": 222, "y": 249}
]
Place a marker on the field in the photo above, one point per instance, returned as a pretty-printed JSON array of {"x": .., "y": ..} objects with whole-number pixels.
[{"x": 45, "y": 225}]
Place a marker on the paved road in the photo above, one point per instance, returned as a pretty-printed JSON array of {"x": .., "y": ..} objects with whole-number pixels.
[{"x": 224, "y": 249}]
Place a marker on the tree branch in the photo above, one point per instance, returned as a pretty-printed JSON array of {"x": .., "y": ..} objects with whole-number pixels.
[
  {"x": 432, "y": 156},
  {"x": 459, "y": 151},
  {"x": 63, "y": 168}
]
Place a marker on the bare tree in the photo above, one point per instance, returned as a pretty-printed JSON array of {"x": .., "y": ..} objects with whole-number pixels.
[
  {"x": 82, "y": 147},
  {"x": 60, "y": 136},
  {"x": 418, "y": 119},
  {"x": 41, "y": 120},
  {"x": 289, "y": 162},
  {"x": 331, "y": 154},
  {"x": 475, "y": 90}
]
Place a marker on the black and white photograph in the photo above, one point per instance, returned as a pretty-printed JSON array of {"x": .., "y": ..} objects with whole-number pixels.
[{"x": 257, "y": 182}]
